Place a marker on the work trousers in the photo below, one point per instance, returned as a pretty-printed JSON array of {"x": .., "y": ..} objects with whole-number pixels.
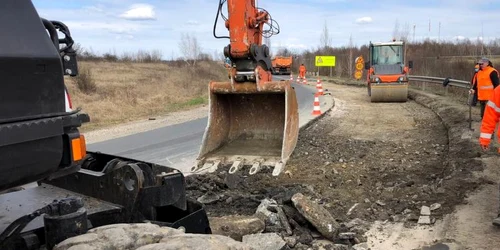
[
  {"x": 483, "y": 106},
  {"x": 474, "y": 99}
]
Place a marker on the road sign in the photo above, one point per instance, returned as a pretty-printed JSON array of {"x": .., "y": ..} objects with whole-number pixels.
[
  {"x": 359, "y": 66},
  {"x": 327, "y": 61},
  {"x": 358, "y": 74}
]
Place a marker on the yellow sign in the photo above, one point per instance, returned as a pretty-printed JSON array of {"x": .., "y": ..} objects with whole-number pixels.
[
  {"x": 359, "y": 66},
  {"x": 358, "y": 74},
  {"x": 328, "y": 61}
]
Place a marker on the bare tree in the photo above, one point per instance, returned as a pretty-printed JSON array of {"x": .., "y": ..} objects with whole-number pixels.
[
  {"x": 325, "y": 40},
  {"x": 395, "y": 32},
  {"x": 350, "y": 60},
  {"x": 404, "y": 33},
  {"x": 190, "y": 48},
  {"x": 284, "y": 52},
  {"x": 218, "y": 55},
  {"x": 267, "y": 41}
]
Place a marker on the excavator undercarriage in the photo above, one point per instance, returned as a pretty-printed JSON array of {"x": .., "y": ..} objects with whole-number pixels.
[
  {"x": 106, "y": 190},
  {"x": 51, "y": 187}
]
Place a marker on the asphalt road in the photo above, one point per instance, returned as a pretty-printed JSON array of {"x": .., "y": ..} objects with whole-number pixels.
[{"x": 177, "y": 145}]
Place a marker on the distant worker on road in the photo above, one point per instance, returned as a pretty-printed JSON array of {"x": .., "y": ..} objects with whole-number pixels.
[
  {"x": 486, "y": 81},
  {"x": 302, "y": 71}
]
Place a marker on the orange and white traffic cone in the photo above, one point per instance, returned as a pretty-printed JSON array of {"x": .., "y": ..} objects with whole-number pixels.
[
  {"x": 319, "y": 87},
  {"x": 291, "y": 77},
  {"x": 298, "y": 79},
  {"x": 305, "y": 80},
  {"x": 316, "y": 108}
]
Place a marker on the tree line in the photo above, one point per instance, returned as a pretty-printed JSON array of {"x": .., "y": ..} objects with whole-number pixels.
[{"x": 454, "y": 59}]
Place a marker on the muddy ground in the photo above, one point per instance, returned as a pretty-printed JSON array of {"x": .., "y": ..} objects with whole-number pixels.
[{"x": 373, "y": 161}]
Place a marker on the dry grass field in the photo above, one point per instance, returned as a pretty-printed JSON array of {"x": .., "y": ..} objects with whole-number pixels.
[{"x": 116, "y": 92}]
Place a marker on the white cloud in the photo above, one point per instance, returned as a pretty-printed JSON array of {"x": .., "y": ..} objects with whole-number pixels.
[
  {"x": 192, "y": 22},
  {"x": 91, "y": 9},
  {"x": 363, "y": 20},
  {"x": 459, "y": 38},
  {"x": 114, "y": 28},
  {"x": 295, "y": 46},
  {"x": 92, "y": 28},
  {"x": 124, "y": 37},
  {"x": 139, "y": 12}
]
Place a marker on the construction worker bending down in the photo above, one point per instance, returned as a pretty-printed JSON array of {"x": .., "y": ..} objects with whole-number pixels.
[
  {"x": 490, "y": 120},
  {"x": 302, "y": 71},
  {"x": 486, "y": 81}
]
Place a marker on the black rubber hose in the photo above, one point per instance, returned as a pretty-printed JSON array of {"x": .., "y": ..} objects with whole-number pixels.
[
  {"x": 18, "y": 225},
  {"x": 52, "y": 32},
  {"x": 217, "y": 18}
]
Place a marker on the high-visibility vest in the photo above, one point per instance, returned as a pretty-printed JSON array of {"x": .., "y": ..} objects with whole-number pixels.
[
  {"x": 473, "y": 83},
  {"x": 490, "y": 118},
  {"x": 484, "y": 85}
]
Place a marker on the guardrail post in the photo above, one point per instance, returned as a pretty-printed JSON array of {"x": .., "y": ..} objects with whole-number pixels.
[
  {"x": 424, "y": 84},
  {"x": 446, "y": 90}
]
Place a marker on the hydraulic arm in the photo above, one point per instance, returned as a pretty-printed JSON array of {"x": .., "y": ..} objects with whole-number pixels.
[
  {"x": 246, "y": 29},
  {"x": 253, "y": 121}
]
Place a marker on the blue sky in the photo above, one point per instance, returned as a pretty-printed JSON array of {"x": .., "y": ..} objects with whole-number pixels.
[{"x": 129, "y": 25}]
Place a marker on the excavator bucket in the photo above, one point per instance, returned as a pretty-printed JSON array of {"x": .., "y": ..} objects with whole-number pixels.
[
  {"x": 249, "y": 124},
  {"x": 389, "y": 92}
]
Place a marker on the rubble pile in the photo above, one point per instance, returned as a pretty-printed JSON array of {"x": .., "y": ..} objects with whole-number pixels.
[{"x": 293, "y": 221}]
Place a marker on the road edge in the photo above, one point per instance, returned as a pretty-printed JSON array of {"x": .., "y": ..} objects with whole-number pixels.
[{"x": 323, "y": 112}]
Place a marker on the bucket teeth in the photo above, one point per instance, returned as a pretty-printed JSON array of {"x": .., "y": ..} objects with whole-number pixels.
[
  {"x": 235, "y": 167},
  {"x": 214, "y": 166},
  {"x": 278, "y": 168},
  {"x": 196, "y": 167},
  {"x": 210, "y": 166},
  {"x": 256, "y": 166}
]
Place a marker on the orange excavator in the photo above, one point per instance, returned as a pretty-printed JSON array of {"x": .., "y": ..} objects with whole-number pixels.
[{"x": 253, "y": 120}]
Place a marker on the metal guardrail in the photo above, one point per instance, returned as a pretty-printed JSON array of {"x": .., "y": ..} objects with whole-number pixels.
[{"x": 452, "y": 82}]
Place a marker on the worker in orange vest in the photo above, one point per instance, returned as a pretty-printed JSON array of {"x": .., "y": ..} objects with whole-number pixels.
[
  {"x": 302, "y": 71},
  {"x": 487, "y": 78},
  {"x": 473, "y": 85},
  {"x": 488, "y": 124}
]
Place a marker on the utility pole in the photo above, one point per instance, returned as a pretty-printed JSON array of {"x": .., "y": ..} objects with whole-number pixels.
[
  {"x": 439, "y": 32},
  {"x": 429, "y": 33},
  {"x": 482, "y": 39},
  {"x": 414, "y": 25}
]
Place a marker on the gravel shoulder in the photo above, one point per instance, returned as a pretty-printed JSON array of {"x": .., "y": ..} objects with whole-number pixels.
[
  {"x": 469, "y": 225},
  {"x": 378, "y": 162}
]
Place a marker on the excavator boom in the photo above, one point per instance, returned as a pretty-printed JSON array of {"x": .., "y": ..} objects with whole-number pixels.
[
  {"x": 253, "y": 121},
  {"x": 243, "y": 38}
]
